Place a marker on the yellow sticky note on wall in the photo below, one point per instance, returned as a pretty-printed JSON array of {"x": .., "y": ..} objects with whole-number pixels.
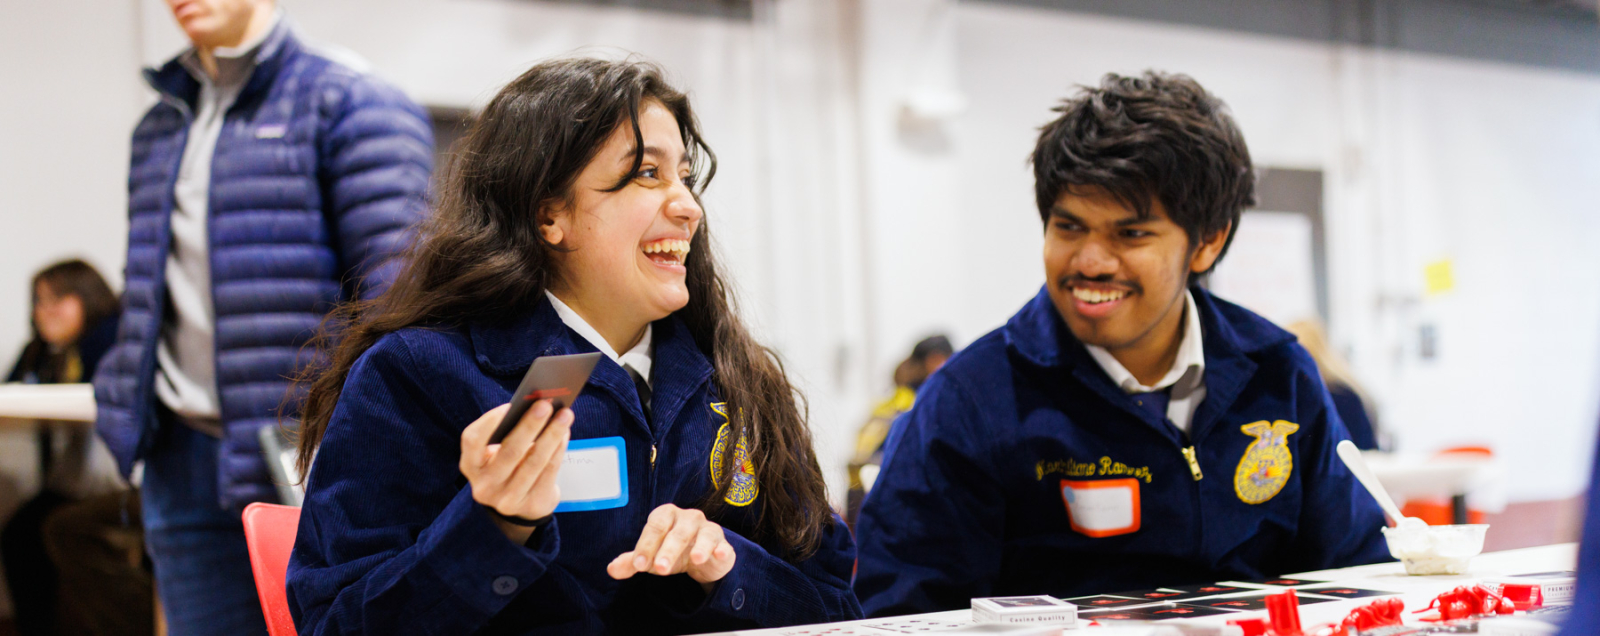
[{"x": 1440, "y": 276}]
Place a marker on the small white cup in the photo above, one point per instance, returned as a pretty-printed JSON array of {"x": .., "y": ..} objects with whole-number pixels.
[{"x": 1436, "y": 549}]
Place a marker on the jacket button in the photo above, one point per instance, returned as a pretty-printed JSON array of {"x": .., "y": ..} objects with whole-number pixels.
[
  {"x": 738, "y": 599},
  {"x": 505, "y": 585}
]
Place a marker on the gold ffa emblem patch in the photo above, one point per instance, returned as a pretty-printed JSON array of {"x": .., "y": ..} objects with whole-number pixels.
[
  {"x": 743, "y": 490},
  {"x": 1267, "y": 462}
]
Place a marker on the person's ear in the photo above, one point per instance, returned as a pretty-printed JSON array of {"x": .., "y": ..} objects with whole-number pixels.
[
  {"x": 553, "y": 222},
  {"x": 1210, "y": 250}
]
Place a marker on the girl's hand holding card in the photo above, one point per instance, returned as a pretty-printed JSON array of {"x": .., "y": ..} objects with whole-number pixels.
[{"x": 517, "y": 477}]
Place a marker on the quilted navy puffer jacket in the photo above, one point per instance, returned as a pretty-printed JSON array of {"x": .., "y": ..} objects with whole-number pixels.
[{"x": 319, "y": 174}]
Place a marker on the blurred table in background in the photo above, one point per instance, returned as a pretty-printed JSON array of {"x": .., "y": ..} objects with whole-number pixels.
[
  {"x": 1443, "y": 476},
  {"x": 41, "y": 407},
  {"x": 63, "y": 404}
]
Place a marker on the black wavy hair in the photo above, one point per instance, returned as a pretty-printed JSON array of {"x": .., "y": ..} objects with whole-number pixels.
[{"x": 1157, "y": 134}]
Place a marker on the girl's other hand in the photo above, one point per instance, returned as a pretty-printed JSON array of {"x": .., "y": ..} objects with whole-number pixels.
[
  {"x": 677, "y": 540},
  {"x": 517, "y": 477}
]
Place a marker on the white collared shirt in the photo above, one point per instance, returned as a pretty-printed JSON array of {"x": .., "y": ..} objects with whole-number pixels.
[
  {"x": 638, "y": 358},
  {"x": 1186, "y": 377}
]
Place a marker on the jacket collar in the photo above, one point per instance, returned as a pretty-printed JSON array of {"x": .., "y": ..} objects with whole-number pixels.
[
  {"x": 174, "y": 81},
  {"x": 508, "y": 347},
  {"x": 1240, "y": 336},
  {"x": 1232, "y": 337},
  {"x": 1038, "y": 333}
]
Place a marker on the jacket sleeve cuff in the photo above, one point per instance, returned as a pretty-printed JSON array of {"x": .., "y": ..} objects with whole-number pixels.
[{"x": 478, "y": 564}]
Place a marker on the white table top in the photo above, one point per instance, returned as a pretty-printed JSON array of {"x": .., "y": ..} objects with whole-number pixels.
[
  {"x": 1416, "y": 591},
  {"x": 65, "y": 402}
]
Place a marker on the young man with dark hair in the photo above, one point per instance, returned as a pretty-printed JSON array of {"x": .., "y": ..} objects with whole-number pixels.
[{"x": 1126, "y": 429}]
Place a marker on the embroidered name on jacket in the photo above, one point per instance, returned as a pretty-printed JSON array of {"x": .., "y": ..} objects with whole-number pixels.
[
  {"x": 1267, "y": 462},
  {"x": 743, "y": 490},
  {"x": 1106, "y": 467}
]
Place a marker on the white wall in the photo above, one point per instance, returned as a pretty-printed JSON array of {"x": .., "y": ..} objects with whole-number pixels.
[
  {"x": 918, "y": 256},
  {"x": 71, "y": 100},
  {"x": 1502, "y": 176}
]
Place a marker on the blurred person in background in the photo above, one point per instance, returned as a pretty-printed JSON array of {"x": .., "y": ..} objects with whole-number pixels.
[
  {"x": 1349, "y": 399},
  {"x": 74, "y": 323},
  {"x": 268, "y": 183},
  {"x": 926, "y": 357}
]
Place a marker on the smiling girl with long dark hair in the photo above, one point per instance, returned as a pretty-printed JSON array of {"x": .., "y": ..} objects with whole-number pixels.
[{"x": 570, "y": 222}]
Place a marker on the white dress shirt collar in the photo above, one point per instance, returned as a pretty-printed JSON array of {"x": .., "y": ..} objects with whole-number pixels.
[
  {"x": 1191, "y": 355},
  {"x": 1186, "y": 377},
  {"x": 638, "y": 358}
]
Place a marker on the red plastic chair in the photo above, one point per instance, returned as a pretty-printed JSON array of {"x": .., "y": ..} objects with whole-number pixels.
[
  {"x": 1439, "y": 512},
  {"x": 269, "y": 531}
]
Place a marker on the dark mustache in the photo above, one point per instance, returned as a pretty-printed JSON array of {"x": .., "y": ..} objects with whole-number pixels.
[{"x": 1068, "y": 281}]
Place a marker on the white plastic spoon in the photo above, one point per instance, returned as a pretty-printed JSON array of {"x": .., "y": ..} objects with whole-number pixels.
[{"x": 1358, "y": 465}]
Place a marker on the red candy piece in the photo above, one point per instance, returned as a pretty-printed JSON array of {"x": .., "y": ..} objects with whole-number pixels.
[
  {"x": 1523, "y": 596},
  {"x": 1251, "y": 626},
  {"x": 1466, "y": 602},
  {"x": 1379, "y": 613},
  {"x": 1284, "y": 612}
]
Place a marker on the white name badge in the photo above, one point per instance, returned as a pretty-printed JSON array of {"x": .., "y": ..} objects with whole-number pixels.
[
  {"x": 594, "y": 475},
  {"x": 1102, "y": 508}
]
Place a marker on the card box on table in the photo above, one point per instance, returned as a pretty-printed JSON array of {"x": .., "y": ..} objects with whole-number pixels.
[
  {"x": 1024, "y": 610},
  {"x": 1529, "y": 591}
]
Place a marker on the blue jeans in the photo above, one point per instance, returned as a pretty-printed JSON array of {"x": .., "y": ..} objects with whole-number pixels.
[{"x": 202, "y": 566}]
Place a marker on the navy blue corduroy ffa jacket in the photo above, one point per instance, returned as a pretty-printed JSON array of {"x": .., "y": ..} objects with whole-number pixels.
[
  {"x": 979, "y": 477},
  {"x": 392, "y": 542},
  {"x": 318, "y": 176},
  {"x": 1584, "y": 619}
]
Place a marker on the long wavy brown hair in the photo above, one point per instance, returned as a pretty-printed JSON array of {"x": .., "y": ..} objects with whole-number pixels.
[{"x": 480, "y": 257}]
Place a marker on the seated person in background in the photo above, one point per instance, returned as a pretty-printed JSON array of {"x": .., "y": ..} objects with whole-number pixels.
[
  {"x": 927, "y": 356},
  {"x": 74, "y": 323},
  {"x": 570, "y": 223},
  {"x": 1126, "y": 429},
  {"x": 1348, "y": 399}
]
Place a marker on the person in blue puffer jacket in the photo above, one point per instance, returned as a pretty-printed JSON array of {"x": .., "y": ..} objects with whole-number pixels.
[{"x": 269, "y": 183}]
